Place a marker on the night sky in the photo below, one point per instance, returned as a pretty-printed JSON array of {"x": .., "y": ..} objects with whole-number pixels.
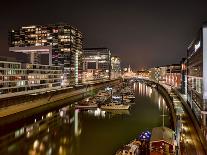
[{"x": 143, "y": 33}]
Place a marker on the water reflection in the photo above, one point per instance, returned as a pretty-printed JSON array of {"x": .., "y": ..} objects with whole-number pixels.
[
  {"x": 69, "y": 131},
  {"x": 150, "y": 92},
  {"x": 77, "y": 125}
]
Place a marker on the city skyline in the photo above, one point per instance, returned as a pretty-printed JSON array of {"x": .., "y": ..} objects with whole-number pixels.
[
  {"x": 103, "y": 77},
  {"x": 131, "y": 30}
]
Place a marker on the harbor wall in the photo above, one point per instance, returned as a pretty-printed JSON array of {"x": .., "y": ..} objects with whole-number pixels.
[
  {"x": 51, "y": 101},
  {"x": 167, "y": 98}
]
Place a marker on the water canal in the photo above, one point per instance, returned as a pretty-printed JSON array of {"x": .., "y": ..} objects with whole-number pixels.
[{"x": 67, "y": 131}]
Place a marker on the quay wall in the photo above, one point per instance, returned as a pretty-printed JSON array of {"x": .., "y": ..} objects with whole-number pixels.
[{"x": 47, "y": 102}]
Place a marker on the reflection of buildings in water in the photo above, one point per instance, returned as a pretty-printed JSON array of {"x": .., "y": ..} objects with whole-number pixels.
[
  {"x": 162, "y": 104},
  {"x": 97, "y": 113},
  {"x": 107, "y": 113},
  {"x": 145, "y": 90},
  {"x": 154, "y": 96},
  {"x": 148, "y": 91},
  {"x": 118, "y": 112},
  {"x": 141, "y": 89},
  {"x": 55, "y": 135},
  {"x": 77, "y": 128},
  {"x": 159, "y": 100},
  {"x": 134, "y": 86}
]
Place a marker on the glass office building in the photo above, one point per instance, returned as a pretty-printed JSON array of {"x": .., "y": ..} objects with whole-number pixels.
[
  {"x": 197, "y": 77},
  {"x": 97, "y": 64},
  {"x": 61, "y": 42}
]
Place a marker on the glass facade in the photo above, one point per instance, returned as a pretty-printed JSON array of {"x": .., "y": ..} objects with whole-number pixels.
[
  {"x": 97, "y": 63},
  {"x": 64, "y": 44},
  {"x": 12, "y": 77},
  {"x": 196, "y": 77},
  {"x": 20, "y": 78}
]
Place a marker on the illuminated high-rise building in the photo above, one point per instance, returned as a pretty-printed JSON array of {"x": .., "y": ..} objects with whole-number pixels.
[
  {"x": 97, "y": 64},
  {"x": 61, "y": 42}
]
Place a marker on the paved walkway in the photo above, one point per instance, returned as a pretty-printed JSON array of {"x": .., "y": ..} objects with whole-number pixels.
[{"x": 190, "y": 143}]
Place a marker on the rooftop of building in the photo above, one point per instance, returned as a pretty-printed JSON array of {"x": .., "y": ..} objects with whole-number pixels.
[
  {"x": 98, "y": 48},
  {"x": 46, "y": 25}
]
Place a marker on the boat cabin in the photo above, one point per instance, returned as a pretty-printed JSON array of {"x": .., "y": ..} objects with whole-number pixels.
[{"x": 162, "y": 141}]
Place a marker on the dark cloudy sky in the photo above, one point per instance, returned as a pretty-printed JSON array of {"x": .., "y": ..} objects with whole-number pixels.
[{"x": 143, "y": 33}]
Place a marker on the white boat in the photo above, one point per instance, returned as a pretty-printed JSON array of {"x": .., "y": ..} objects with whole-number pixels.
[
  {"x": 129, "y": 97},
  {"x": 86, "y": 106},
  {"x": 102, "y": 94},
  {"x": 126, "y": 100},
  {"x": 115, "y": 106},
  {"x": 117, "y": 112}
]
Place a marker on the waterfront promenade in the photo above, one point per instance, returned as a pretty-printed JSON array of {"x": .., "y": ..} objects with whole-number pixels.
[
  {"x": 190, "y": 143},
  {"x": 189, "y": 139}
]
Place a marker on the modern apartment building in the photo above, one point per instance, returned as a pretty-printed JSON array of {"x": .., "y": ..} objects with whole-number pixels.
[
  {"x": 43, "y": 76},
  {"x": 96, "y": 64},
  {"x": 12, "y": 77},
  {"x": 18, "y": 79},
  {"x": 197, "y": 77},
  {"x": 61, "y": 42}
]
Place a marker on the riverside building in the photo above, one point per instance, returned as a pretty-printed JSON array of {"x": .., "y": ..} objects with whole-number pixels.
[
  {"x": 61, "y": 42},
  {"x": 197, "y": 77},
  {"x": 170, "y": 75},
  {"x": 19, "y": 79},
  {"x": 96, "y": 64}
]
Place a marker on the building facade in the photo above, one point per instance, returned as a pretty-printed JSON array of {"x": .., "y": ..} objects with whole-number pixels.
[
  {"x": 158, "y": 73},
  {"x": 96, "y": 64},
  {"x": 197, "y": 77},
  {"x": 18, "y": 79},
  {"x": 173, "y": 75},
  {"x": 43, "y": 76},
  {"x": 115, "y": 67},
  {"x": 12, "y": 77},
  {"x": 170, "y": 74},
  {"x": 61, "y": 42}
]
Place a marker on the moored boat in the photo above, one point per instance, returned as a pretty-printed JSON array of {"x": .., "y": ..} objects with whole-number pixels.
[
  {"x": 86, "y": 106},
  {"x": 130, "y": 149},
  {"x": 115, "y": 106},
  {"x": 87, "y": 103},
  {"x": 129, "y": 96}
]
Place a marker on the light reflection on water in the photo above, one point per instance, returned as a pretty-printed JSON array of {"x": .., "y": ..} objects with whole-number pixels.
[{"x": 72, "y": 131}]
